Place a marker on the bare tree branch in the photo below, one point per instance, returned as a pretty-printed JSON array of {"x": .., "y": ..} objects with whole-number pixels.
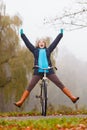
[{"x": 70, "y": 19}]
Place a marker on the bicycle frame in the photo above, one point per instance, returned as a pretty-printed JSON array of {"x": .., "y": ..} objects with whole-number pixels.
[{"x": 43, "y": 91}]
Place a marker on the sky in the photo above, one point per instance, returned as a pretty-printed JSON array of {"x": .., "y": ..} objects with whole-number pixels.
[{"x": 33, "y": 14}]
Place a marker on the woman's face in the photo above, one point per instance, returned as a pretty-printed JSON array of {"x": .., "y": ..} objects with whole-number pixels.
[{"x": 41, "y": 44}]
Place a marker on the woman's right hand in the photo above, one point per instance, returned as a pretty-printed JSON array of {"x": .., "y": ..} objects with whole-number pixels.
[{"x": 21, "y": 31}]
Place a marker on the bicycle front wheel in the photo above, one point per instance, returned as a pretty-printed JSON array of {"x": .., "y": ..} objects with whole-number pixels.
[{"x": 44, "y": 97}]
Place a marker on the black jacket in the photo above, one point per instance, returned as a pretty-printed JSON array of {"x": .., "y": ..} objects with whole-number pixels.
[{"x": 35, "y": 51}]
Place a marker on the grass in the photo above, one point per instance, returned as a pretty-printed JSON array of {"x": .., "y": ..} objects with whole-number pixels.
[
  {"x": 45, "y": 124},
  {"x": 59, "y": 122},
  {"x": 62, "y": 110}
]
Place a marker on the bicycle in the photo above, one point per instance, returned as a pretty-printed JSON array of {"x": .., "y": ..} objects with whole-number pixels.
[{"x": 43, "y": 90}]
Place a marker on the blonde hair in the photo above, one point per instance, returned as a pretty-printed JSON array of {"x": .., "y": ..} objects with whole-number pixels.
[{"x": 38, "y": 41}]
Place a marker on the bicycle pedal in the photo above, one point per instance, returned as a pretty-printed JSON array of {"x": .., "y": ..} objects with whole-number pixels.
[{"x": 37, "y": 96}]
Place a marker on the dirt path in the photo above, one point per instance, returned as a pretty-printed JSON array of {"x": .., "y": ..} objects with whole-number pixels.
[{"x": 41, "y": 117}]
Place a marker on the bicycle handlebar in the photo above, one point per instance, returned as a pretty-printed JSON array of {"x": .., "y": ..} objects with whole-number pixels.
[{"x": 36, "y": 66}]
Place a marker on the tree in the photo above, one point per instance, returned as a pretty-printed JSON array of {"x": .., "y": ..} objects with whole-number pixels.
[
  {"x": 9, "y": 42},
  {"x": 72, "y": 18},
  {"x": 14, "y": 67}
]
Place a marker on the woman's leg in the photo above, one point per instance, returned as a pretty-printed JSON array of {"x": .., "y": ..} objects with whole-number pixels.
[
  {"x": 56, "y": 81},
  {"x": 26, "y": 93}
]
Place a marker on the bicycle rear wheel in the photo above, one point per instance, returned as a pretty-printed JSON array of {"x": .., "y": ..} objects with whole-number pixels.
[{"x": 44, "y": 97}]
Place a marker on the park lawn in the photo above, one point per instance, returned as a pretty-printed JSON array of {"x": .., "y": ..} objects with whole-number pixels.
[{"x": 60, "y": 123}]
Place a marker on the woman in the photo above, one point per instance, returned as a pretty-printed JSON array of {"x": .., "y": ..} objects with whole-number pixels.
[{"x": 42, "y": 58}]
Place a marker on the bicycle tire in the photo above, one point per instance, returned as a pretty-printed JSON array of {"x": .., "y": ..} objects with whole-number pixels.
[{"x": 44, "y": 97}]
